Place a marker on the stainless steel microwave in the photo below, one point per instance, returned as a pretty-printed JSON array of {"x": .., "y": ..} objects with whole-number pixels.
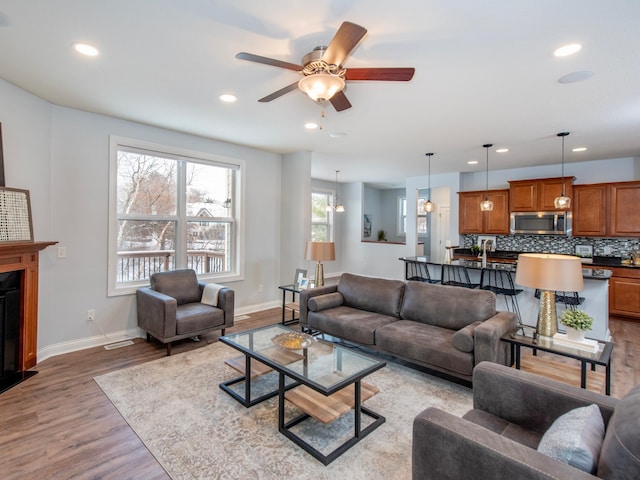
[{"x": 540, "y": 223}]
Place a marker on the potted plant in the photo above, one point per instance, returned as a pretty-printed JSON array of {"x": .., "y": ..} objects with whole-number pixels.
[
  {"x": 382, "y": 236},
  {"x": 577, "y": 323},
  {"x": 475, "y": 250}
]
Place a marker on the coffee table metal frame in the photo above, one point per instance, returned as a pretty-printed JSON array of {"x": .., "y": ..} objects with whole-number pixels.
[
  {"x": 546, "y": 344},
  {"x": 284, "y": 426}
]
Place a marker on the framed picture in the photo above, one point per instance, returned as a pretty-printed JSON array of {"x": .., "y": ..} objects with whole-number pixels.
[
  {"x": 367, "y": 225},
  {"x": 300, "y": 274},
  {"x": 15, "y": 216},
  {"x": 304, "y": 283}
]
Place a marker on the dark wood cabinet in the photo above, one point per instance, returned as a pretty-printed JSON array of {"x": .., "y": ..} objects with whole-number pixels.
[
  {"x": 624, "y": 208},
  {"x": 590, "y": 210},
  {"x": 624, "y": 292},
  {"x": 474, "y": 221},
  {"x": 538, "y": 195},
  {"x": 607, "y": 210}
]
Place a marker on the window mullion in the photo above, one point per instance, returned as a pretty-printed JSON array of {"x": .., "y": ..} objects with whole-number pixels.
[{"x": 181, "y": 227}]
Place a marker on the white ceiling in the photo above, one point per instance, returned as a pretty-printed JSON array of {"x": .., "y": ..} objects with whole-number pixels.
[{"x": 485, "y": 73}]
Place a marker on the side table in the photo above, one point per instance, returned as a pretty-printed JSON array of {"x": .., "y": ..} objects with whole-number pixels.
[
  {"x": 293, "y": 306},
  {"x": 546, "y": 344}
]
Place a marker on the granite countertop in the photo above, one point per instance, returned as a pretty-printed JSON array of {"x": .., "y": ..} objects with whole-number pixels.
[{"x": 590, "y": 271}]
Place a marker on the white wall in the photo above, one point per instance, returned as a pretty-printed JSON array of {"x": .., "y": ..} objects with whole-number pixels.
[{"x": 62, "y": 156}]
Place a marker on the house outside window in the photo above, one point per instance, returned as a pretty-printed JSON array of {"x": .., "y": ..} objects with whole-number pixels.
[
  {"x": 321, "y": 216},
  {"x": 170, "y": 210}
]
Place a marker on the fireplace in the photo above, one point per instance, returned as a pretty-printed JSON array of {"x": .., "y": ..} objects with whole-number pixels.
[{"x": 18, "y": 311}]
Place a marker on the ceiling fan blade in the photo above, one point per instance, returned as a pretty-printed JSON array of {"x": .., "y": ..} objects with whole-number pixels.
[
  {"x": 383, "y": 74},
  {"x": 279, "y": 93},
  {"x": 345, "y": 40},
  {"x": 340, "y": 102},
  {"x": 268, "y": 61}
]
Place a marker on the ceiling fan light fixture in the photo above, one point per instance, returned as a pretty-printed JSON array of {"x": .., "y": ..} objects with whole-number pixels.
[{"x": 322, "y": 86}]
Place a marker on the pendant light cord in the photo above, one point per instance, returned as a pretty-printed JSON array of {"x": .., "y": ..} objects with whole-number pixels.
[{"x": 486, "y": 193}]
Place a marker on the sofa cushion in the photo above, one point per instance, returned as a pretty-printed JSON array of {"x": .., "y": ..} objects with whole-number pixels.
[
  {"x": 620, "y": 454},
  {"x": 323, "y": 302},
  {"x": 503, "y": 427},
  {"x": 426, "y": 344},
  {"x": 446, "y": 306},
  {"x": 463, "y": 338},
  {"x": 377, "y": 295},
  {"x": 575, "y": 438},
  {"x": 349, "y": 323},
  {"x": 179, "y": 284},
  {"x": 193, "y": 317}
]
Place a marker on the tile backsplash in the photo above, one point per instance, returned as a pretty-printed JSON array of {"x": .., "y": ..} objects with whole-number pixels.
[{"x": 619, "y": 247}]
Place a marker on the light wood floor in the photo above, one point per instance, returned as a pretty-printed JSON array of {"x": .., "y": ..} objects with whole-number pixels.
[{"x": 59, "y": 425}]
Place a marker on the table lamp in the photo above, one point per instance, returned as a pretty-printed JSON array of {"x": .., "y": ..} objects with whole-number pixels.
[
  {"x": 320, "y": 251},
  {"x": 549, "y": 273}
]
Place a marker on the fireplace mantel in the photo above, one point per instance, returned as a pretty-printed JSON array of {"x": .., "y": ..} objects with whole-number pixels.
[{"x": 24, "y": 256}]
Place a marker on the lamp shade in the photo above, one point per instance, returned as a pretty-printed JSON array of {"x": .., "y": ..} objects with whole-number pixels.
[
  {"x": 321, "y": 86},
  {"x": 547, "y": 271},
  {"x": 320, "y": 251}
]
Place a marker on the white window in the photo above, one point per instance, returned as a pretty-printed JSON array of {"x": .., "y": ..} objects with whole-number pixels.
[
  {"x": 402, "y": 216},
  {"x": 321, "y": 216},
  {"x": 170, "y": 209}
]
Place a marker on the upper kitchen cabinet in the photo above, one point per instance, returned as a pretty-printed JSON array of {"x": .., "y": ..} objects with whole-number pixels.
[
  {"x": 624, "y": 217},
  {"x": 607, "y": 210},
  {"x": 590, "y": 210},
  {"x": 537, "y": 195},
  {"x": 474, "y": 221}
]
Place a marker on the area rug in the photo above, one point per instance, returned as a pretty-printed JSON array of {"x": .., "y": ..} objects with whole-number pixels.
[{"x": 197, "y": 431}]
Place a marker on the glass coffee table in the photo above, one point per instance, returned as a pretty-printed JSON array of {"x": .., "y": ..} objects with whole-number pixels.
[{"x": 322, "y": 379}]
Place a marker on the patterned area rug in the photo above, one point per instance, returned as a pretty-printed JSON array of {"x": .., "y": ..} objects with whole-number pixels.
[{"x": 195, "y": 430}]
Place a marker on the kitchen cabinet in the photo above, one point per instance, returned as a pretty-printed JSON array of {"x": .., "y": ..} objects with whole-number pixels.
[
  {"x": 606, "y": 210},
  {"x": 624, "y": 292},
  {"x": 590, "y": 210},
  {"x": 624, "y": 218},
  {"x": 537, "y": 195},
  {"x": 474, "y": 221}
]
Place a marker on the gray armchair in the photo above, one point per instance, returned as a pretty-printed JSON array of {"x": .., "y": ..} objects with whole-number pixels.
[
  {"x": 170, "y": 308},
  {"x": 511, "y": 412}
]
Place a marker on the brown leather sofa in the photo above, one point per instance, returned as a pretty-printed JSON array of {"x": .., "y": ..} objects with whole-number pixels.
[
  {"x": 443, "y": 328},
  {"x": 512, "y": 411},
  {"x": 170, "y": 308}
]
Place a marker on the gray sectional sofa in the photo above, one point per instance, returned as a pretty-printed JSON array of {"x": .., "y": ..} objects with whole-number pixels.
[{"x": 443, "y": 328}]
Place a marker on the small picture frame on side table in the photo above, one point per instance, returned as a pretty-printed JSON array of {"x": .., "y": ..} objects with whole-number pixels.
[
  {"x": 300, "y": 274},
  {"x": 304, "y": 283}
]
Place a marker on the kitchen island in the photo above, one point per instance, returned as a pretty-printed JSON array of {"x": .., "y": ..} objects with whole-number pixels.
[{"x": 595, "y": 293}]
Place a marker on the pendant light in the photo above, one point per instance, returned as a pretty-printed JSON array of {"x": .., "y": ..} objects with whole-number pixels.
[
  {"x": 429, "y": 206},
  {"x": 562, "y": 202},
  {"x": 339, "y": 207},
  {"x": 487, "y": 205}
]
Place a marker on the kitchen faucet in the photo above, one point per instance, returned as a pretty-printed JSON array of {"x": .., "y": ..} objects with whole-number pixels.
[{"x": 484, "y": 252}]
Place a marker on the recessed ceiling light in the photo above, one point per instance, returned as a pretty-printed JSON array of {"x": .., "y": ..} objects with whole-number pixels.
[
  {"x": 502, "y": 150},
  {"x": 579, "y": 149},
  {"x": 575, "y": 77},
  {"x": 228, "y": 98},
  {"x": 311, "y": 125},
  {"x": 472, "y": 162},
  {"x": 85, "y": 49},
  {"x": 567, "y": 50}
]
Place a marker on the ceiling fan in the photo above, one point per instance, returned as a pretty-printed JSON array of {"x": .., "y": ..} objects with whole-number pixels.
[{"x": 323, "y": 73}]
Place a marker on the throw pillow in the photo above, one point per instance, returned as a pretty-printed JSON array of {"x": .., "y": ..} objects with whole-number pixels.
[
  {"x": 322, "y": 302},
  {"x": 575, "y": 438},
  {"x": 463, "y": 338}
]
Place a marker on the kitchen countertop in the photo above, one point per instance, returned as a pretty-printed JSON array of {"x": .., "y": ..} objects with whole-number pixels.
[{"x": 588, "y": 271}]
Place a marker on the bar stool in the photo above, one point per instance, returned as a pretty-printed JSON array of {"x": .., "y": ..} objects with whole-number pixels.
[
  {"x": 571, "y": 300},
  {"x": 501, "y": 283},
  {"x": 418, "y": 271},
  {"x": 456, "y": 275}
]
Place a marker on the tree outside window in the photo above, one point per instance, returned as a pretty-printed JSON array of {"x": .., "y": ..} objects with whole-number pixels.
[
  {"x": 171, "y": 212},
  {"x": 321, "y": 216}
]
